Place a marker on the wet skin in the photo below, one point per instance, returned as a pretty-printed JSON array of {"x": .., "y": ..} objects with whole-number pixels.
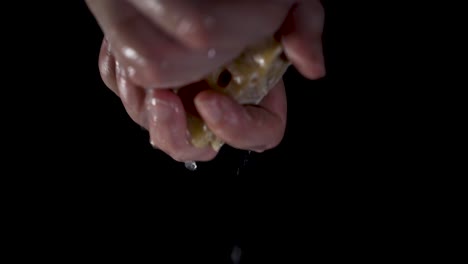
[{"x": 152, "y": 47}]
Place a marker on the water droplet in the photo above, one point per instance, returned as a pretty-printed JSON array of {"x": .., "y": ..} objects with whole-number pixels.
[
  {"x": 211, "y": 53},
  {"x": 238, "y": 79},
  {"x": 191, "y": 165},
  {"x": 109, "y": 47},
  {"x": 236, "y": 255},
  {"x": 132, "y": 55},
  {"x": 184, "y": 27},
  {"x": 122, "y": 86},
  {"x": 259, "y": 60},
  {"x": 153, "y": 144},
  {"x": 131, "y": 71}
]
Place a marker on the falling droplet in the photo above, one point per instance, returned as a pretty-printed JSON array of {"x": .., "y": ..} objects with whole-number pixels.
[
  {"x": 191, "y": 165},
  {"x": 246, "y": 159},
  {"x": 236, "y": 255}
]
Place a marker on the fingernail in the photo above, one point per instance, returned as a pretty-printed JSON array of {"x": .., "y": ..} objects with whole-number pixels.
[{"x": 153, "y": 144}]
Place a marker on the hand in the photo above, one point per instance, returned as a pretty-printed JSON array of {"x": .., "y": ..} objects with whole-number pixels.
[{"x": 157, "y": 49}]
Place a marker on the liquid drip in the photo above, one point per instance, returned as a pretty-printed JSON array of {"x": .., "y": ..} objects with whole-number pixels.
[
  {"x": 191, "y": 165},
  {"x": 246, "y": 159},
  {"x": 236, "y": 255},
  {"x": 243, "y": 162}
]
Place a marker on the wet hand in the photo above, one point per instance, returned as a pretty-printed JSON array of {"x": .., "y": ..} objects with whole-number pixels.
[{"x": 167, "y": 44}]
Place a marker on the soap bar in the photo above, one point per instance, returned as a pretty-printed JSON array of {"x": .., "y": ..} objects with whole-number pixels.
[{"x": 247, "y": 79}]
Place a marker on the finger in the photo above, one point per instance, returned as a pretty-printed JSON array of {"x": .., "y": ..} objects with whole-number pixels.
[
  {"x": 255, "y": 128},
  {"x": 131, "y": 95},
  {"x": 302, "y": 38},
  {"x": 168, "y": 127},
  {"x": 107, "y": 67},
  {"x": 151, "y": 58},
  {"x": 206, "y": 24},
  {"x": 116, "y": 80}
]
